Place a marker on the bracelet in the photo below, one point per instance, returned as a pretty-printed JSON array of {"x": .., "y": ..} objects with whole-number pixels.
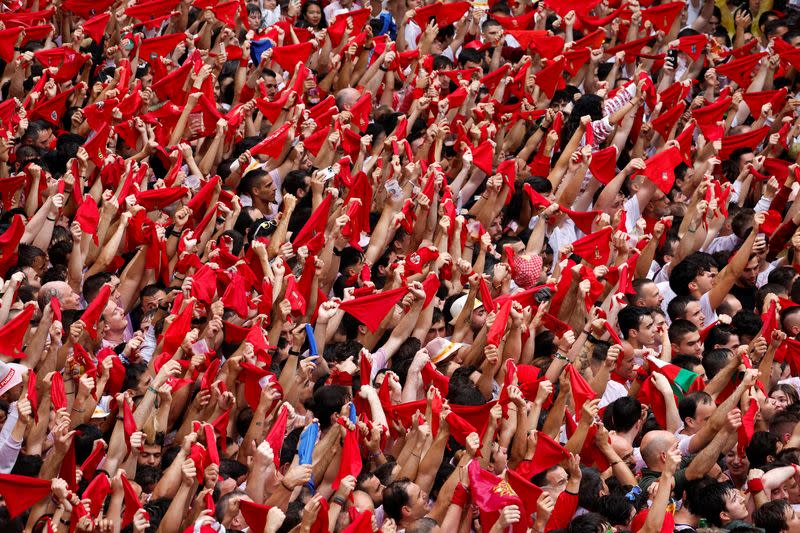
[
  {"x": 283, "y": 484},
  {"x": 75, "y": 409},
  {"x": 51, "y": 219},
  {"x": 561, "y": 356},
  {"x": 65, "y": 522},
  {"x": 120, "y": 418},
  {"x": 615, "y": 462},
  {"x": 383, "y": 69},
  {"x": 285, "y": 109},
  {"x": 338, "y": 500},
  {"x": 151, "y": 389},
  {"x": 587, "y": 333},
  {"x": 294, "y": 352},
  {"x": 337, "y": 253}
]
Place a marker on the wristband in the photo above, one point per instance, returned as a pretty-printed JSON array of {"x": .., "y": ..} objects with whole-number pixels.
[
  {"x": 51, "y": 219},
  {"x": 460, "y": 496},
  {"x": 755, "y": 485},
  {"x": 561, "y": 356},
  {"x": 338, "y": 500}
]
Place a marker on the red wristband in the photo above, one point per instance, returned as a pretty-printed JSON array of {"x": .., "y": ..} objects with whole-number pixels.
[
  {"x": 755, "y": 485},
  {"x": 460, "y": 496}
]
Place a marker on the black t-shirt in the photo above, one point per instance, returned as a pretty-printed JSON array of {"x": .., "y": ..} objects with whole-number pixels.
[{"x": 746, "y": 296}]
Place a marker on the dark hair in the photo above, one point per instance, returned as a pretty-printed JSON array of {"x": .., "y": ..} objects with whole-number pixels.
[
  {"x": 714, "y": 503},
  {"x": 771, "y": 517},
  {"x": 630, "y": 317},
  {"x": 683, "y": 274},
  {"x": 746, "y": 323},
  {"x": 762, "y": 445},
  {"x": 622, "y": 414},
  {"x": 679, "y": 328},
  {"x": 693, "y": 497},
  {"x": 590, "y": 488},
  {"x": 719, "y": 334},
  {"x": 328, "y": 400},
  {"x": 588, "y": 523},
  {"x": 616, "y": 508},
  {"x": 395, "y": 497},
  {"x": 677, "y": 306},
  {"x": 715, "y": 360},
  {"x": 687, "y": 407},
  {"x": 685, "y": 361},
  {"x": 93, "y": 284}
]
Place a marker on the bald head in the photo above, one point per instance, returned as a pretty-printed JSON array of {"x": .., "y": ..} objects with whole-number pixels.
[
  {"x": 655, "y": 445},
  {"x": 58, "y": 289},
  {"x": 363, "y": 501},
  {"x": 346, "y": 98}
]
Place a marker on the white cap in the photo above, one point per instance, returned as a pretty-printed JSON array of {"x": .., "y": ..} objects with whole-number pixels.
[
  {"x": 11, "y": 375},
  {"x": 441, "y": 349},
  {"x": 458, "y": 305}
]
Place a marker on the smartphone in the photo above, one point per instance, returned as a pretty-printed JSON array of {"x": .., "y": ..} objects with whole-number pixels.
[
  {"x": 672, "y": 57},
  {"x": 328, "y": 173},
  {"x": 543, "y": 295},
  {"x": 393, "y": 188}
]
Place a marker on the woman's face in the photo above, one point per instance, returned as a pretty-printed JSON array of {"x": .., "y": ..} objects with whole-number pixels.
[
  {"x": 737, "y": 465},
  {"x": 254, "y": 19},
  {"x": 781, "y": 400},
  {"x": 313, "y": 14}
]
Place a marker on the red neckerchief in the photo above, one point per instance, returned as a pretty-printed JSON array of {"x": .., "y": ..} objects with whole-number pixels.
[{"x": 619, "y": 379}]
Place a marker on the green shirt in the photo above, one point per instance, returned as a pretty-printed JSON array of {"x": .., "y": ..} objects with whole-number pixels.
[{"x": 651, "y": 476}]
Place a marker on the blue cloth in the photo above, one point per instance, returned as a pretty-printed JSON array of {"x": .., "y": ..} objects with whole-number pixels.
[
  {"x": 257, "y": 49},
  {"x": 353, "y": 416},
  {"x": 305, "y": 449},
  {"x": 308, "y": 440},
  {"x": 312, "y": 342}
]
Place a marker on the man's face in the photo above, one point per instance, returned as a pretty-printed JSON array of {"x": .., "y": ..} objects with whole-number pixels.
[
  {"x": 271, "y": 84},
  {"x": 151, "y": 455},
  {"x": 735, "y": 505},
  {"x": 493, "y": 34},
  {"x": 625, "y": 451},
  {"x": 417, "y": 502},
  {"x": 746, "y": 159},
  {"x": 374, "y": 489},
  {"x": 478, "y": 318},
  {"x": 150, "y": 303},
  {"x": 690, "y": 344},
  {"x": 265, "y": 190},
  {"x": 114, "y": 317},
  {"x": 44, "y": 140},
  {"x": 437, "y": 330},
  {"x": 556, "y": 482},
  {"x": 701, "y": 416},
  {"x": 646, "y": 333},
  {"x": 651, "y": 296},
  {"x": 626, "y": 367},
  {"x": 695, "y": 315},
  {"x": 750, "y": 273},
  {"x": 704, "y": 281}
]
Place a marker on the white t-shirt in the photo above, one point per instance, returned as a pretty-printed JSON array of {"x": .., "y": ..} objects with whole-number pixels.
[{"x": 614, "y": 391}]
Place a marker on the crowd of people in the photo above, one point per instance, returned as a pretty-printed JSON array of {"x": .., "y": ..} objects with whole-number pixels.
[{"x": 305, "y": 266}]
